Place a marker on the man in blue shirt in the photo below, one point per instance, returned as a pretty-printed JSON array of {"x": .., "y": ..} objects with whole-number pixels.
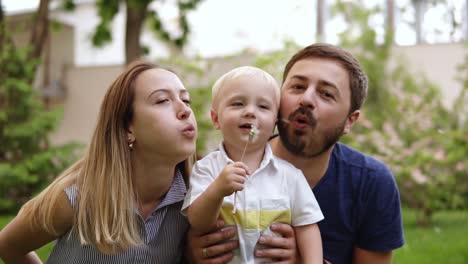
[{"x": 322, "y": 92}]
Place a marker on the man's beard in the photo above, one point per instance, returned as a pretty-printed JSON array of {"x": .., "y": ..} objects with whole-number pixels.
[{"x": 293, "y": 139}]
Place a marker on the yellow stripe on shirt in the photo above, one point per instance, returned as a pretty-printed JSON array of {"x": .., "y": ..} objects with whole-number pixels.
[{"x": 252, "y": 219}]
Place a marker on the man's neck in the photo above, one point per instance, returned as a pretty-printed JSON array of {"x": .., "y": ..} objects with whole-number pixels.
[{"x": 313, "y": 168}]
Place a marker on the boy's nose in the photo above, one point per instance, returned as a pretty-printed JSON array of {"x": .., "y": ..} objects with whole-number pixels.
[{"x": 249, "y": 111}]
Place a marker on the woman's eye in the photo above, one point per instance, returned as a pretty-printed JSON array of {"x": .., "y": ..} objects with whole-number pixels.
[
  {"x": 160, "y": 101},
  {"x": 187, "y": 101}
]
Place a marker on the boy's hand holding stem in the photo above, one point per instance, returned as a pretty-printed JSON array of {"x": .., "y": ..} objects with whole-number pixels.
[{"x": 231, "y": 179}]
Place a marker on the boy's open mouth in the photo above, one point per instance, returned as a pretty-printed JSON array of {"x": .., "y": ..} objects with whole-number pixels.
[{"x": 247, "y": 126}]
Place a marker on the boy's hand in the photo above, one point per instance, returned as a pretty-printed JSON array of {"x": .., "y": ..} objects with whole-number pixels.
[{"x": 232, "y": 178}]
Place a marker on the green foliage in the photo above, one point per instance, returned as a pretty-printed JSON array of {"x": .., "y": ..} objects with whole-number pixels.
[
  {"x": 405, "y": 124},
  {"x": 163, "y": 33},
  {"x": 107, "y": 9},
  {"x": 27, "y": 161}
]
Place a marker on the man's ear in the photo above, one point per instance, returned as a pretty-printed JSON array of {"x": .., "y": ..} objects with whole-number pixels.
[
  {"x": 352, "y": 118},
  {"x": 214, "y": 118}
]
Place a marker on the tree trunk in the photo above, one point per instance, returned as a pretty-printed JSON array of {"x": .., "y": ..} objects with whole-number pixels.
[
  {"x": 320, "y": 21},
  {"x": 40, "y": 30},
  {"x": 466, "y": 20},
  {"x": 390, "y": 18},
  {"x": 419, "y": 10},
  {"x": 1, "y": 12},
  {"x": 2, "y": 27},
  {"x": 136, "y": 15}
]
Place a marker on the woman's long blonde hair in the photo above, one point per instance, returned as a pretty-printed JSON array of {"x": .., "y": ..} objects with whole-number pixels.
[{"x": 104, "y": 212}]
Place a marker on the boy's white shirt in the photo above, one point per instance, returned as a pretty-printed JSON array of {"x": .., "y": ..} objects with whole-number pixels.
[{"x": 276, "y": 192}]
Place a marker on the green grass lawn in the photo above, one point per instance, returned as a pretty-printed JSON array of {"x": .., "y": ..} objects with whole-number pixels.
[{"x": 446, "y": 241}]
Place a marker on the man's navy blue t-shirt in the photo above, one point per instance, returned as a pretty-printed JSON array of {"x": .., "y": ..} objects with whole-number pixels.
[{"x": 361, "y": 204}]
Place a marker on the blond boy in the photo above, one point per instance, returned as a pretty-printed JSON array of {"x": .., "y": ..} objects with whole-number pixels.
[{"x": 243, "y": 182}]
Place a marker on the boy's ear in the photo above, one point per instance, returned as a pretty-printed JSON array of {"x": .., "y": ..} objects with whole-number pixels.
[{"x": 214, "y": 118}]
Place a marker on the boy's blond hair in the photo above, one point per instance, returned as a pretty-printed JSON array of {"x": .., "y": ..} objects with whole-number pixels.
[{"x": 239, "y": 72}]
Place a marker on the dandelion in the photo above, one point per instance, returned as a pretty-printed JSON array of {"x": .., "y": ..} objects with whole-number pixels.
[{"x": 252, "y": 133}]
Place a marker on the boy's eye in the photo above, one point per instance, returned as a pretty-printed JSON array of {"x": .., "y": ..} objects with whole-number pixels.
[
  {"x": 237, "y": 104},
  {"x": 264, "y": 106}
]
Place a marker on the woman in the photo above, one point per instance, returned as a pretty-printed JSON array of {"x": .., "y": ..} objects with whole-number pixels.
[{"x": 121, "y": 202}]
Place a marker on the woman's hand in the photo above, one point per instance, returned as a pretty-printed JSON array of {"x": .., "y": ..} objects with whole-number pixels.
[
  {"x": 281, "y": 248},
  {"x": 214, "y": 247}
]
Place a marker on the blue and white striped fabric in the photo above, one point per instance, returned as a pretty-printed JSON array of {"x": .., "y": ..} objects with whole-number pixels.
[{"x": 163, "y": 234}]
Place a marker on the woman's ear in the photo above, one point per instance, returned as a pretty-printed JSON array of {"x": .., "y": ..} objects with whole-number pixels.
[{"x": 130, "y": 135}]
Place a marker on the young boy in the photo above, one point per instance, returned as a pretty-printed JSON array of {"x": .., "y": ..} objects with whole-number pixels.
[{"x": 242, "y": 181}]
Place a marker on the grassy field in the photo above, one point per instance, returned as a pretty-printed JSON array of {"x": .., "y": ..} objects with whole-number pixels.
[{"x": 446, "y": 241}]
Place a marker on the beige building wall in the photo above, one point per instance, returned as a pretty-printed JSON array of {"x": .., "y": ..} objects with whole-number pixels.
[
  {"x": 438, "y": 62},
  {"x": 58, "y": 53},
  {"x": 86, "y": 86}
]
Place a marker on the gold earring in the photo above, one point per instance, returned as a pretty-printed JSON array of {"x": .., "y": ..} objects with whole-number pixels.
[{"x": 130, "y": 142}]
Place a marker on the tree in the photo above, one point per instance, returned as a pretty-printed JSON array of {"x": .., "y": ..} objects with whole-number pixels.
[
  {"x": 27, "y": 160},
  {"x": 321, "y": 9},
  {"x": 138, "y": 12},
  {"x": 405, "y": 124},
  {"x": 40, "y": 30}
]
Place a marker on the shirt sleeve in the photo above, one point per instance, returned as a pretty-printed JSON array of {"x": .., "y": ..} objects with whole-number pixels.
[
  {"x": 201, "y": 177},
  {"x": 381, "y": 227},
  {"x": 305, "y": 208}
]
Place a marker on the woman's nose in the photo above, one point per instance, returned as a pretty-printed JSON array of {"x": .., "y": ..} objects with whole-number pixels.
[{"x": 184, "y": 111}]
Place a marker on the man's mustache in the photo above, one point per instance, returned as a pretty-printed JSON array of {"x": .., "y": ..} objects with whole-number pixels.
[{"x": 307, "y": 116}]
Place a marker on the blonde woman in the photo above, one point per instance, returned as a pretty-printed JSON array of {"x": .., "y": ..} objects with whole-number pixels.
[{"x": 121, "y": 202}]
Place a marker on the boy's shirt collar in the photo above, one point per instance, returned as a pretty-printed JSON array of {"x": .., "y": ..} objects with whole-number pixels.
[{"x": 268, "y": 157}]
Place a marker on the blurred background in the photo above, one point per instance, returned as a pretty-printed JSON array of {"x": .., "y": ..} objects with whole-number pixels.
[{"x": 58, "y": 57}]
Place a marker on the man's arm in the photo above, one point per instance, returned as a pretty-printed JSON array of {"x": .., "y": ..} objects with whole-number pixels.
[
  {"x": 217, "y": 245},
  {"x": 362, "y": 256},
  {"x": 219, "y": 248}
]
